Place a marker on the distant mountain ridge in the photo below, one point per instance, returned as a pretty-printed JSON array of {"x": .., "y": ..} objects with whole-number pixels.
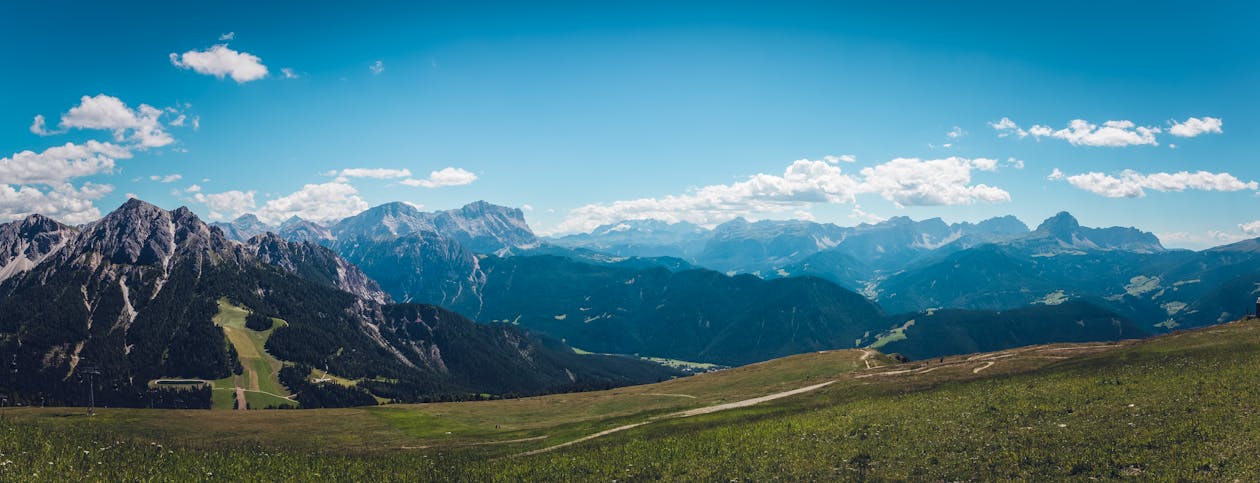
[{"x": 480, "y": 226}]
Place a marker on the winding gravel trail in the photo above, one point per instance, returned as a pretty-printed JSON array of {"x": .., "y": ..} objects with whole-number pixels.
[{"x": 684, "y": 414}]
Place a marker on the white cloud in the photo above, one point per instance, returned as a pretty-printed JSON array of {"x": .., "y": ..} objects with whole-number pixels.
[
  {"x": 910, "y": 181},
  {"x": 449, "y": 176},
  {"x": 220, "y": 61},
  {"x": 957, "y": 132},
  {"x": 803, "y": 183},
  {"x": 39, "y": 128},
  {"x": 227, "y": 36},
  {"x": 316, "y": 202},
  {"x": 170, "y": 178},
  {"x": 1194, "y": 126},
  {"x": 55, "y": 165},
  {"x": 226, "y": 205},
  {"x": 376, "y": 173},
  {"x": 141, "y": 126},
  {"x": 288, "y": 73},
  {"x": 1132, "y": 184},
  {"x": 1251, "y": 228},
  {"x": 1083, "y": 133},
  {"x": 863, "y": 216},
  {"x": 22, "y": 173},
  {"x": 1206, "y": 239},
  {"x": 847, "y": 158},
  {"x": 527, "y": 207},
  {"x": 322, "y": 203},
  {"x": 1006, "y": 127},
  {"x": 63, "y": 202},
  {"x": 905, "y": 181},
  {"x": 377, "y": 67}
]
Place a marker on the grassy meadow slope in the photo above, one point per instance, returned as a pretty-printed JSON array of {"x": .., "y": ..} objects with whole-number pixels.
[
  {"x": 1181, "y": 406},
  {"x": 260, "y": 378}
]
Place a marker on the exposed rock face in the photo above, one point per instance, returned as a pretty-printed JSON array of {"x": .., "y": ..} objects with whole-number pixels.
[
  {"x": 243, "y": 227},
  {"x": 419, "y": 256},
  {"x": 385, "y": 221},
  {"x": 27, "y": 242},
  {"x": 316, "y": 263},
  {"x": 1062, "y": 232},
  {"x": 486, "y": 228},
  {"x": 297, "y": 229}
]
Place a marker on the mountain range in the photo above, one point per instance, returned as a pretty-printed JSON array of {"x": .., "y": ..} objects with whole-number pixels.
[
  {"x": 625, "y": 288},
  {"x": 389, "y": 296}
]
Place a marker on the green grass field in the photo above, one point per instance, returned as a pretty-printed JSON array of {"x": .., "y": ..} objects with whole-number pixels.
[
  {"x": 1177, "y": 407},
  {"x": 261, "y": 376}
]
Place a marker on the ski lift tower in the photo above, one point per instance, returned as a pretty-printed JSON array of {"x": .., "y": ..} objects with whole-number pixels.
[
  {"x": 13, "y": 372},
  {"x": 91, "y": 373}
]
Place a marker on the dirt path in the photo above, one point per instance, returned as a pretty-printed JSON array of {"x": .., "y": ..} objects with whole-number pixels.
[
  {"x": 240, "y": 399},
  {"x": 747, "y": 402},
  {"x": 588, "y": 437},
  {"x": 684, "y": 414},
  {"x": 866, "y": 356},
  {"x": 668, "y": 395},
  {"x": 484, "y": 443},
  {"x": 291, "y": 398},
  {"x": 983, "y": 367}
]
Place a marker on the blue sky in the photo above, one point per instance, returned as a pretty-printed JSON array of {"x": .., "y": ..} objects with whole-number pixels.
[{"x": 583, "y": 114}]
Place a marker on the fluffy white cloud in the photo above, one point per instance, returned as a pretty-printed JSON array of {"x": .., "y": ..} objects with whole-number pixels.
[
  {"x": 957, "y": 132},
  {"x": 220, "y": 61},
  {"x": 905, "y": 181},
  {"x": 226, "y": 205},
  {"x": 288, "y": 73},
  {"x": 228, "y": 36},
  {"x": 38, "y": 126},
  {"x": 1194, "y": 126},
  {"x": 56, "y": 165},
  {"x": 1210, "y": 238},
  {"x": 377, "y": 67},
  {"x": 325, "y": 202},
  {"x": 1006, "y": 127},
  {"x": 910, "y": 181},
  {"x": 62, "y": 202},
  {"x": 863, "y": 216},
  {"x": 1132, "y": 184},
  {"x": 141, "y": 126},
  {"x": 803, "y": 182},
  {"x": 316, "y": 202},
  {"x": 170, "y": 178},
  {"x": 376, "y": 173},
  {"x": 449, "y": 176},
  {"x": 1083, "y": 133},
  {"x": 847, "y": 158},
  {"x": 22, "y": 174},
  {"x": 1251, "y": 228}
]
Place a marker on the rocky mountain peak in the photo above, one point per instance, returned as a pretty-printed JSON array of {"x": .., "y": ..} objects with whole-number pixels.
[
  {"x": 1008, "y": 224},
  {"x": 26, "y": 242},
  {"x": 1061, "y": 225},
  {"x": 140, "y": 233}
]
